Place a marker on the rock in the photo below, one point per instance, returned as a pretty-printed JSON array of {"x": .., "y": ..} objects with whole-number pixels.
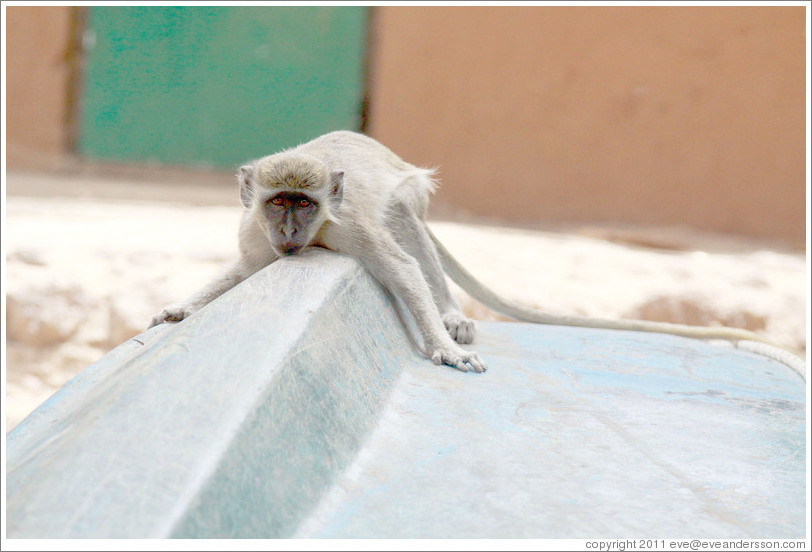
[
  {"x": 33, "y": 257},
  {"x": 695, "y": 310},
  {"x": 40, "y": 317}
]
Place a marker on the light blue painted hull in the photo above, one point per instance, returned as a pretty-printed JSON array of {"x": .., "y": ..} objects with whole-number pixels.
[
  {"x": 581, "y": 434},
  {"x": 277, "y": 413}
]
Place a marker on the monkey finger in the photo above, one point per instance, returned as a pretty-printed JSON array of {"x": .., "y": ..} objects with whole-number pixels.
[
  {"x": 476, "y": 363},
  {"x": 458, "y": 363}
]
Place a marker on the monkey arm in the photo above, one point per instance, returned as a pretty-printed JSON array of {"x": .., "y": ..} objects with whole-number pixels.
[
  {"x": 401, "y": 274},
  {"x": 176, "y": 312}
]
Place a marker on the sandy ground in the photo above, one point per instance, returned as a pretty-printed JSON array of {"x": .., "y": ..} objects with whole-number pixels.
[{"x": 89, "y": 260}]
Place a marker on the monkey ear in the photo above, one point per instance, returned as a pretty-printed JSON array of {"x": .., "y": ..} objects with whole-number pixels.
[
  {"x": 336, "y": 188},
  {"x": 244, "y": 178}
]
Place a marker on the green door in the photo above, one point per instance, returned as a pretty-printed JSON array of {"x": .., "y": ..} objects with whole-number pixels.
[{"x": 216, "y": 86}]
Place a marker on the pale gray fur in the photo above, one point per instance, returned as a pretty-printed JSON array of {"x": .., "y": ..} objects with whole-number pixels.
[{"x": 377, "y": 218}]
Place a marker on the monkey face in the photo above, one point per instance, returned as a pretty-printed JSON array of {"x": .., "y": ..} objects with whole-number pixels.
[
  {"x": 291, "y": 221},
  {"x": 291, "y": 198}
]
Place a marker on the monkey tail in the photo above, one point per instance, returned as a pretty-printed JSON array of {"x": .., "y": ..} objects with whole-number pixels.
[{"x": 743, "y": 339}]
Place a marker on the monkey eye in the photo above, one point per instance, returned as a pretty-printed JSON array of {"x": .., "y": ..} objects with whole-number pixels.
[
  {"x": 277, "y": 201},
  {"x": 304, "y": 203}
]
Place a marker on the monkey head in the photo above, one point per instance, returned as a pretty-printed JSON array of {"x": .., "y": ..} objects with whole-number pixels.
[{"x": 290, "y": 196}]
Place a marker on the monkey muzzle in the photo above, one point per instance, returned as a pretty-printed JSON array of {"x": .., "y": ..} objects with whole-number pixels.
[{"x": 289, "y": 249}]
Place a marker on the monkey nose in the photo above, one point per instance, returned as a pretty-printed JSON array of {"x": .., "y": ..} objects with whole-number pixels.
[{"x": 290, "y": 248}]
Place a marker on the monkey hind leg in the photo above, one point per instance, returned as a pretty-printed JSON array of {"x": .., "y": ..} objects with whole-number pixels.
[
  {"x": 409, "y": 231},
  {"x": 414, "y": 192}
]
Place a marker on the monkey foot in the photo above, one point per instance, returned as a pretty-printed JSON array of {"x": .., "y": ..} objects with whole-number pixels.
[
  {"x": 461, "y": 360},
  {"x": 460, "y": 328}
]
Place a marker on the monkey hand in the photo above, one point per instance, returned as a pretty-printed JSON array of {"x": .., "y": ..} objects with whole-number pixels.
[
  {"x": 457, "y": 357},
  {"x": 460, "y": 328},
  {"x": 172, "y": 313}
]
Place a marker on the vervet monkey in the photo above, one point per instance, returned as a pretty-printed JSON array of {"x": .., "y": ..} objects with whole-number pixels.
[{"x": 346, "y": 192}]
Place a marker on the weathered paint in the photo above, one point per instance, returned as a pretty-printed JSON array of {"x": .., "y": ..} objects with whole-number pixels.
[
  {"x": 296, "y": 405},
  {"x": 577, "y": 433}
]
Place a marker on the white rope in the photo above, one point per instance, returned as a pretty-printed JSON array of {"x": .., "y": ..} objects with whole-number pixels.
[{"x": 775, "y": 353}]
